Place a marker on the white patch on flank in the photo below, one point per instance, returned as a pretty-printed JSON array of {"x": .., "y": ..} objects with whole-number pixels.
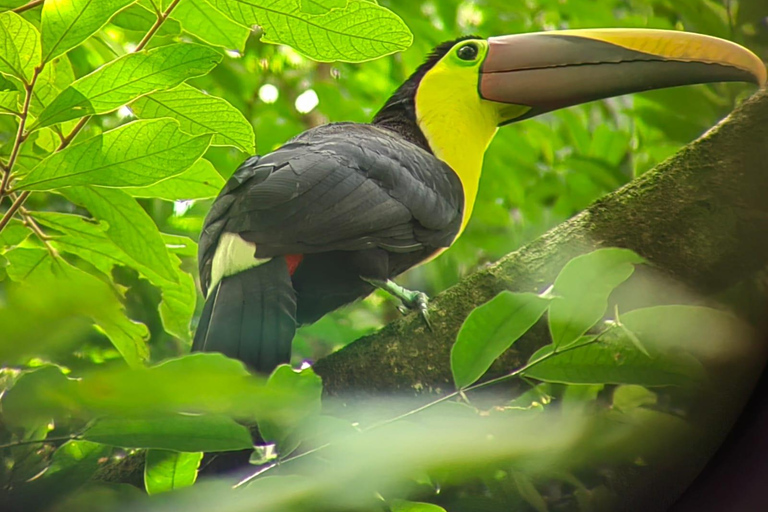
[{"x": 233, "y": 255}]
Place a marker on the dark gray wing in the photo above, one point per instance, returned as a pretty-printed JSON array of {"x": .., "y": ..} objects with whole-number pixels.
[{"x": 338, "y": 187}]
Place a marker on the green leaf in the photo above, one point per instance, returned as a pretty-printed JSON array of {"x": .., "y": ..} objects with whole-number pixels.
[
  {"x": 140, "y": 19},
  {"x": 582, "y": 289},
  {"x": 307, "y": 388},
  {"x": 130, "y": 227},
  {"x": 67, "y": 23},
  {"x": 90, "y": 242},
  {"x": 617, "y": 362},
  {"x": 36, "y": 266},
  {"x": 183, "y": 433},
  {"x": 13, "y": 234},
  {"x": 201, "y": 181},
  {"x": 166, "y": 470},
  {"x": 318, "y": 7},
  {"x": 127, "y": 78},
  {"x": 413, "y": 506},
  {"x": 529, "y": 492},
  {"x": 135, "y": 154},
  {"x": 359, "y": 32},
  {"x": 199, "y": 18},
  {"x": 490, "y": 330},
  {"x": 703, "y": 331},
  {"x": 54, "y": 78},
  {"x": 19, "y": 47},
  {"x": 73, "y": 464},
  {"x": 199, "y": 113},
  {"x": 630, "y": 397},
  {"x": 9, "y": 102}
]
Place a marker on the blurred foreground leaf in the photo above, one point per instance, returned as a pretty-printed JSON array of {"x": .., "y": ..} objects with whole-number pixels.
[{"x": 166, "y": 470}]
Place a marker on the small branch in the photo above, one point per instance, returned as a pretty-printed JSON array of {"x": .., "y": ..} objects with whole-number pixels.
[
  {"x": 13, "y": 209},
  {"x": 67, "y": 139},
  {"x": 158, "y": 23},
  {"x": 20, "y": 135},
  {"x": 30, "y": 222},
  {"x": 30, "y": 5}
]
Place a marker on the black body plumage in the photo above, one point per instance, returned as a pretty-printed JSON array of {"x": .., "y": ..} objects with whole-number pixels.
[{"x": 355, "y": 201}]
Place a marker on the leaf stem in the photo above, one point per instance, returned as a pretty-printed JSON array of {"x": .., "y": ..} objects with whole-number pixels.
[
  {"x": 161, "y": 17},
  {"x": 30, "y": 5},
  {"x": 30, "y": 222},
  {"x": 460, "y": 392},
  {"x": 68, "y": 138},
  {"x": 14, "y": 207},
  {"x": 40, "y": 441}
]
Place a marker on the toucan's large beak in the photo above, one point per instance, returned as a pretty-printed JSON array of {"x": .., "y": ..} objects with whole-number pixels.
[{"x": 550, "y": 70}]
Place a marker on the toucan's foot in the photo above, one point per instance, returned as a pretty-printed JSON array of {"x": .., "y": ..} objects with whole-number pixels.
[{"x": 411, "y": 300}]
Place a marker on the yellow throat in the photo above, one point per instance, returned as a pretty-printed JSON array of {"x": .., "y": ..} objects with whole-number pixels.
[{"x": 457, "y": 123}]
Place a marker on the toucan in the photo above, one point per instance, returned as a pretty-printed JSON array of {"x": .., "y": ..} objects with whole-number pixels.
[{"x": 344, "y": 208}]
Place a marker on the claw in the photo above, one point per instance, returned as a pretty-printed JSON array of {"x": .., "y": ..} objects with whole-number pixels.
[{"x": 411, "y": 300}]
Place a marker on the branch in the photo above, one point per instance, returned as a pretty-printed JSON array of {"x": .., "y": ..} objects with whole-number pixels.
[{"x": 701, "y": 218}]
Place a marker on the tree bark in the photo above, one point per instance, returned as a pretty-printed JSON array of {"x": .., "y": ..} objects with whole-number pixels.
[{"x": 700, "y": 218}]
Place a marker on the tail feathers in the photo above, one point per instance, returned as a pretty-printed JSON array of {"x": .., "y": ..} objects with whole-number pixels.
[{"x": 251, "y": 316}]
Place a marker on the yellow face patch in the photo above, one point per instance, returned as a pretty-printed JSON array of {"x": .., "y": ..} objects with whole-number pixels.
[{"x": 458, "y": 124}]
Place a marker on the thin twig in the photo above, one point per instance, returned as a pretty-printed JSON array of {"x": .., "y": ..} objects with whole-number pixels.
[
  {"x": 67, "y": 139},
  {"x": 32, "y": 224},
  {"x": 30, "y": 5},
  {"x": 158, "y": 23},
  {"x": 12, "y": 210},
  {"x": 40, "y": 441},
  {"x": 20, "y": 135},
  {"x": 440, "y": 400}
]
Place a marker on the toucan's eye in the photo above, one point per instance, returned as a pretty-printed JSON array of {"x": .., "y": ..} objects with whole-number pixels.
[{"x": 467, "y": 52}]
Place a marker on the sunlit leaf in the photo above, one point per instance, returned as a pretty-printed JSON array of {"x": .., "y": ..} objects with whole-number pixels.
[
  {"x": 13, "y": 234},
  {"x": 127, "y": 78},
  {"x": 633, "y": 396},
  {"x": 135, "y": 154},
  {"x": 67, "y": 23},
  {"x": 318, "y": 7},
  {"x": 199, "y": 18},
  {"x": 582, "y": 289},
  {"x": 167, "y": 470},
  {"x": 490, "y": 330},
  {"x": 178, "y": 432},
  {"x": 201, "y": 181},
  {"x": 199, "y": 113},
  {"x": 361, "y": 31},
  {"x": 19, "y": 46},
  {"x": 129, "y": 226},
  {"x": 54, "y": 78}
]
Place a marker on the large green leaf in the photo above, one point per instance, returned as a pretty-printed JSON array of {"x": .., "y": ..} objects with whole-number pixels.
[
  {"x": 67, "y": 23},
  {"x": 90, "y": 242},
  {"x": 129, "y": 227},
  {"x": 166, "y": 470},
  {"x": 135, "y": 154},
  {"x": 491, "y": 329},
  {"x": 37, "y": 267},
  {"x": 199, "y": 18},
  {"x": 179, "y": 432},
  {"x": 360, "y": 31},
  {"x": 199, "y": 383},
  {"x": 616, "y": 362},
  {"x": 19, "y": 47},
  {"x": 201, "y": 181},
  {"x": 582, "y": 289},
  {"x": 127, "y": 78},
  {"x": 199, "y": 113}
]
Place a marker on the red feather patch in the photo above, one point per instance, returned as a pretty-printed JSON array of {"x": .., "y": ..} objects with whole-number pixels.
[{"x": 293, "y": 260}]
